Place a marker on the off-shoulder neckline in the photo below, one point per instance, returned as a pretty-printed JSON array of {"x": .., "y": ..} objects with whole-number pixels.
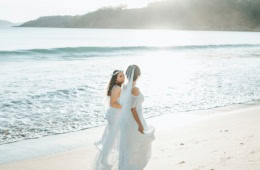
[{"x": 138, "y": 94}]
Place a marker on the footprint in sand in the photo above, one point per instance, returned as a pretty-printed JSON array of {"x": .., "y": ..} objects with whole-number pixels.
[
  {"x": 223, "y": 131},
  {"x": 252, "y": 152},
  {"x": 225, "y": 158},
  {"x": 196, "y": 142},
  {"x": 182, "y": 162},
  {"x": 251, "y": 161},
  {"x": 199, "y": 167}
]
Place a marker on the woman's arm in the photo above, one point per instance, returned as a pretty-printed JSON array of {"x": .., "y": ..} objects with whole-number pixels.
[
  {"x": 136, "y": 92},
  {"x": 136, "y": 117},
  {"x": 115, "y": 94}
]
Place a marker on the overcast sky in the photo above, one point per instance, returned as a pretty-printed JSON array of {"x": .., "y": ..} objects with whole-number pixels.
[{"x": 25, "y": 10}]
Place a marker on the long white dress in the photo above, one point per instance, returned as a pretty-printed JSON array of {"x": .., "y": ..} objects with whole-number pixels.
[
  {"x": 126, "y": 149},
  {"x": 107, "y": 155},
  {"x": 138, "y": 150}
]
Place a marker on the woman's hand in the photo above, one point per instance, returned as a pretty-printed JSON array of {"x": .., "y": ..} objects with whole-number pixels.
[{"x": 141, "y": 129}]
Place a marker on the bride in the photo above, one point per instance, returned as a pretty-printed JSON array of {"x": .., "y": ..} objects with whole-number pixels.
[
  {"x": 107, "y": 150},
  {"x": 136, "y": 135}
]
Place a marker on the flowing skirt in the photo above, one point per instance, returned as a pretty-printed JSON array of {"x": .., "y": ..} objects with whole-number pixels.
[
  {"x": 107, "y": 155},
  {"x": 135, "y": 147}
]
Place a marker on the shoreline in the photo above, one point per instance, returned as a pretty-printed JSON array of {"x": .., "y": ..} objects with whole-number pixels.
[
  {"x": 148, "y": 29},
  {"x": 215, "y": 109},
  {"x": 78, "y": 147}
]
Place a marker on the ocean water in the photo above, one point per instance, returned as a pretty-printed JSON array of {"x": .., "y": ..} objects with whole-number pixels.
[{"x": 53, "y": 80}]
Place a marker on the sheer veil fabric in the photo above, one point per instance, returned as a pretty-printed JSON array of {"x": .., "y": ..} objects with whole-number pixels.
[
  {"x": 122, "y": 146},
  {"x": 125, "y": 101}
]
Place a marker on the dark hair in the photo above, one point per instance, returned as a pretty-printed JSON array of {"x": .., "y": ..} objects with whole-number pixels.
[
  {"x": 137, "y": 71},
  {"x": 113, "y": 82}
]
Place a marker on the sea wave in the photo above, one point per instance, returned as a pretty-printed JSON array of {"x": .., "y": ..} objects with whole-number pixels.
[{"x": 97, "y": 51}]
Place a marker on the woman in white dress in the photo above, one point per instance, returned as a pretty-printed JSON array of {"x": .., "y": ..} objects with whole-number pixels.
[
  {"x": 136, "y": 135},
  {"x": 107, "y": 155}
]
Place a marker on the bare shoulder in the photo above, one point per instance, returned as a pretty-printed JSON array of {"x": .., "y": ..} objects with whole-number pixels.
[
  {"x": 135, "y": 91},
  {"x": 116, "y": 89}
]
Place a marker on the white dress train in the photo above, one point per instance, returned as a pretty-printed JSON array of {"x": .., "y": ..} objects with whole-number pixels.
[
  {"x": 107, "y": 155},
  {"x": 138, "y": 147}
]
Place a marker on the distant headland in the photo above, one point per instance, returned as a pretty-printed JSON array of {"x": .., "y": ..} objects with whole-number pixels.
[
  {"x": 5, "y": 23},
  {"x": 221, "y": 15}
]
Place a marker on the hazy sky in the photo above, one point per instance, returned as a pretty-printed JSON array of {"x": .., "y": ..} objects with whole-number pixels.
[{"x": 25, "y": 10}]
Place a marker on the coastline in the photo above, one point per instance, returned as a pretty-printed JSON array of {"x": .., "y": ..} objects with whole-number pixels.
[
  {"x": 149, "y": 29},
  {"x": 220, "y": 138}
]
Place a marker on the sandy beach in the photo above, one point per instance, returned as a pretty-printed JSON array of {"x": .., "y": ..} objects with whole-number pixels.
[
  {"x": 196, "y": 65},
  {"x": 226, "y": 138}
]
